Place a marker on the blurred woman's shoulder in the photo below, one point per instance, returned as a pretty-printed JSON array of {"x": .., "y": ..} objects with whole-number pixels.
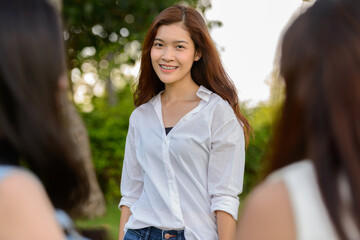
[
  {"x": 288, "y": 199},
  {"x": 26, "y": 211},
  {"x": 267, "y": 214}
]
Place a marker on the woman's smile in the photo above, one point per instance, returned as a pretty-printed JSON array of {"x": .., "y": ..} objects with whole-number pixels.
[{"x": 168, "y": 68}]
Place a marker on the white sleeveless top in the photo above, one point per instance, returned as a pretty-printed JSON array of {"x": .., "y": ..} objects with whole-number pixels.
[{"x": 312, "y": 221}]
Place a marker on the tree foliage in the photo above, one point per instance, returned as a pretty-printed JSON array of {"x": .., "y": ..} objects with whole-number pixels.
[
  {"x": 101, "y": 24},
  {"x": 98, "y": 23},
  {"x": 262, "y": 119}
]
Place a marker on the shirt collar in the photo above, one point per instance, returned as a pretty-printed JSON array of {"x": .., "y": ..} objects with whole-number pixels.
[
  {"x": 156, "y": 99},
  {"x": 204, "y": 93}
]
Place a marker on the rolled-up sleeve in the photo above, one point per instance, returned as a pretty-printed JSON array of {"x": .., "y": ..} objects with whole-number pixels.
[
  {"x": 226, "y": 166},
  {"x": 132, "y": 176}
]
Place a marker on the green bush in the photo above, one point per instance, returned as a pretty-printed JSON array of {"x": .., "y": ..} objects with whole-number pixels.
[
  {"x": 261, "y": 119},
  {"x": 107, "y": 127}
]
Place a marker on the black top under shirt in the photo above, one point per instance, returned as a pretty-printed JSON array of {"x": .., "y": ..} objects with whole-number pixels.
[{"x": 167, "y": 130}]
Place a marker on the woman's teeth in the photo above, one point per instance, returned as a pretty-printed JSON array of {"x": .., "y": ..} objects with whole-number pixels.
[{"x": 168, "y": 68}]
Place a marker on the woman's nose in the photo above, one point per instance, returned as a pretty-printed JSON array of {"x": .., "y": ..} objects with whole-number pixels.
[{"x": 167, "y": 55}]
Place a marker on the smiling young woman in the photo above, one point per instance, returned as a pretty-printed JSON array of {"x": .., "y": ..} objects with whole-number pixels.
[{"x": 184, "y": 165}]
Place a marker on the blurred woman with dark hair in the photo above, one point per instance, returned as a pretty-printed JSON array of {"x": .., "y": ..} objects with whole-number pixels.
[
  {"x": 33, "y": 132},
  {"x": 185, "y": 149},
  {"x": 314, "y": 191}
]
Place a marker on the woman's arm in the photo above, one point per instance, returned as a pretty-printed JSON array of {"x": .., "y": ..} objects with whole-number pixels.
[
  {"x": 226, "y": 167},
  {"x": 125, "y": 214},
  {"x": 131, "y": 179},
  {"x": 226, "y": 225},
  {"x": 26, "y": 211}
]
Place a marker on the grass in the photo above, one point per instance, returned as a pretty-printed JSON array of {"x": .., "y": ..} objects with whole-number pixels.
[{"x": 109, "y": 222}]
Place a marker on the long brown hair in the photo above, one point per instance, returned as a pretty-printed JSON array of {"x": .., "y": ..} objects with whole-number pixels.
[
  {"x": 31, "y": 120},
  {"x": 320, "y": 118},
  {"x": 208, "y": 71}
]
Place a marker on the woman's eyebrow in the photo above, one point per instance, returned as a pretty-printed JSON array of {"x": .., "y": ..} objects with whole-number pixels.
[
  {"x": 177, "y": 41},
  {"x": 181, "y": 41}
]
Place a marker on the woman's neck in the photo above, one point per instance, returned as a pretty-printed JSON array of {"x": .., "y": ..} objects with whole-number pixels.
[{"x": 180, "y": 91}]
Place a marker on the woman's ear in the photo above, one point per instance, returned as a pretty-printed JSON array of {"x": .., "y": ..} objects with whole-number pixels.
[{"x": 197, "y": 55}]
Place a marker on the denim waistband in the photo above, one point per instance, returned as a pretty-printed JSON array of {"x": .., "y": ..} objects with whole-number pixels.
[{"x": 153, "y": 233}]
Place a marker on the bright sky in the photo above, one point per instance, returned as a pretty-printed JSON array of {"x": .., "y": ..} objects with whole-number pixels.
[{"x": 249, "y": 38}]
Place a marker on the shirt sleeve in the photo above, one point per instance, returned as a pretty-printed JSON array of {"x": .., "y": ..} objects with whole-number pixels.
[
  {"x": 132, "y": 175},
  {"x": 226, "y": 166}
]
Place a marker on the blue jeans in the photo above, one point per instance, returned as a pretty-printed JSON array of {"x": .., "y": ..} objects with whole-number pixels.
[{"x": 152, "y": 233}]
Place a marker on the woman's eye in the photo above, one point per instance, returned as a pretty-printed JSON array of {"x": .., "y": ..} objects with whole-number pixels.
[
  {"x": 157, "y": 44},
  {"x": 179, "y": 46}
]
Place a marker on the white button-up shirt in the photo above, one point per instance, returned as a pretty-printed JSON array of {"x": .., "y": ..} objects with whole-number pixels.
[{"x": 179, "y": 180}]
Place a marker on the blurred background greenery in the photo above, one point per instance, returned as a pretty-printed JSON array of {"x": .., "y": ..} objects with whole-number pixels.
[{"x": 103, "y": 41}]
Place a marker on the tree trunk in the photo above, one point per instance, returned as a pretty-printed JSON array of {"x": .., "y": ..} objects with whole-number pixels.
[
  {"x": 95, "y": 206},
  {"x": 57, "y": 4},
  {"x": 112, "y": 97}
]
